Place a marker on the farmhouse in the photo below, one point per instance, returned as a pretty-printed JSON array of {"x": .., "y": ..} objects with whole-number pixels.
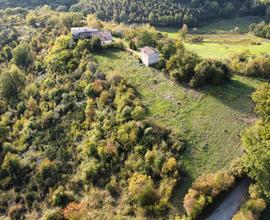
[
  {"x": 85, "y": 33},
  {"x": 149, "y": 56}
]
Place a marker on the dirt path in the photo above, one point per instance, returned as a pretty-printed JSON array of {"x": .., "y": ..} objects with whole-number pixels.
[{"x": 232, "y": 202}]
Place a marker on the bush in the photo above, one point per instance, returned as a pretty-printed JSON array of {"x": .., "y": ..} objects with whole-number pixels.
[
  {"x": 197, "y": 39},
  {"x": 91, "y": 171},
  {"x": 181, "y": 66},
  {"x": 13, "y": 167},
  {"x": 194, "y": 203},
  {"x": 22, "y": 56},
  {"x": 209, "y": 72},
  {"x": 16, "y": 212},
  {"x": 46, "y": 174},
  {"x": 251, "y": 65},
  {"x": 11, "y": 83},
  {"x": 204, "y": 190},
  {"x": 61, "y": 197},
  {"x": 141, "y": 189},
  {"x": 53, "y": 214}
]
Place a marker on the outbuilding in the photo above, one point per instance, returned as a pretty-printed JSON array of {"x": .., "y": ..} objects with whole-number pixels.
[{"x": 149, "y": 55}]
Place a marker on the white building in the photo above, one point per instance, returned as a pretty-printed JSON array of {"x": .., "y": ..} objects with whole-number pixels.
[
  {"x": 149, "y": 56},
  {"x": 87, "y": 33}
]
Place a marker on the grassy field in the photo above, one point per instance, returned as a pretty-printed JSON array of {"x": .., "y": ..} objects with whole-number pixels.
[
  {"x": 223, "y": 44},
  {"x": 217, "y": 46},
  {"x": 212, "y": 119},
  {"x": 218, "y": 27},
  {"x": 224, "y": 26}
]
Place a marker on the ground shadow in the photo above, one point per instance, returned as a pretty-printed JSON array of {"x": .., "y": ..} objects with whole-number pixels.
[
  {"x": 111, "y": 53},
  {"x": 234, "y": 94}
]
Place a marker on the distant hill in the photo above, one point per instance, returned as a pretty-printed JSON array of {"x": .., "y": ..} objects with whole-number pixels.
[
  {"x": 156, "y": 12},
  {"x": 169, "y": 12},
  {"x": 36, "y": 3}
]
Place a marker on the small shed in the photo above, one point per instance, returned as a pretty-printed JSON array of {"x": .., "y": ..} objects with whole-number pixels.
[{"x": 149, "y": 55}]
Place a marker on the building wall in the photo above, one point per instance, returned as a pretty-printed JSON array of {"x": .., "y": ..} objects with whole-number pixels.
[
  {"x": 148, "y": 60},
  {"x": 106, "y": 42},
  {"x": 144, "y": 59},
  {"x": 153, "y": 58}
]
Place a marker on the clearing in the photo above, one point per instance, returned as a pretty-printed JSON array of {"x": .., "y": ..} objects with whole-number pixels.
[
  {"x": 211, "y": 119},
  {"x": 218, "y": 43}
]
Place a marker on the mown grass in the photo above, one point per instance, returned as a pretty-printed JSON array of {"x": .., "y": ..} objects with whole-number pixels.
[
  {"x": 226, "y": 25},
  {"x": 226, "y": 50},
  {"x": 212, "y": 119},
  {"x": 217, "y": 27},
  {"x": 223, "y": 44}
]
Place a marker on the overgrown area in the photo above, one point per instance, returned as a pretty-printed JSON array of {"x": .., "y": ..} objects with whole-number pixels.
[{"x": 88, "y": 132}]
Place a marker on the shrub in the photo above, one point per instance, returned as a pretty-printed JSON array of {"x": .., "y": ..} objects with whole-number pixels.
[
  {"x": 138, "y": 113},
  {"x": 204, "y": 189},
  {"x": 46, "y": 174},
  {"x": 22, "y": 55},
  {"x": 13, "y": 167},
  {"x": 141, "y": 189},
  {"x": 61, "y": 197},
  {"x": 194, "y": 203},
  {"x": 53, "y": 214},
  {"x": 91, "y": 171},
  {"x": 75, "y": 211},
  {"x": 197, "y": 39},
  {"x": 182, "y": 65},
  {"x": 11, "y": 83},
  {"x": 262, "y": 97},
  {"x": 251, "y": 65},
  {"x": 209, "y": 72}
]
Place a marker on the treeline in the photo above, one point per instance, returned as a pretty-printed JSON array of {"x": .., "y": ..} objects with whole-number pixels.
[
  {"x": 256, "y": 141},
  {"x": 260, "y": 30},
  {"x": 168, "y": 12},
  {"x": 57, "y": 4},
  {"x": 155, "y": 12}
]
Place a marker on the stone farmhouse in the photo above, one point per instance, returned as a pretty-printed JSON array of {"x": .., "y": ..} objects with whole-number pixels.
[{"x": 85, "y": 33}]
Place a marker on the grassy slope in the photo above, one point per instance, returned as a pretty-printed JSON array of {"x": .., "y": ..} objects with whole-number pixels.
[
  {"x": 229, "y": 24},
  {"x": 212, "y": 118},
  {"x": 220, "y": 51},
  {"x": 220, "y": 46}
]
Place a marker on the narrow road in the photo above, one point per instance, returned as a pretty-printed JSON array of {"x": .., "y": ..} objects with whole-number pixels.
[{"x": 232, "y": 202}]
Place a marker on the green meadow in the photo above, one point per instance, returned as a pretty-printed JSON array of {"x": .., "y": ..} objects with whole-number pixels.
[
  {"x": 211, "y": 119},
  {"x": 219, "y": 43}
]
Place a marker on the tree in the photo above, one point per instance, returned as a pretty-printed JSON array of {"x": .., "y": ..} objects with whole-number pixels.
[
  {"x": 256, "y": 141},
  {"x": 22, "y": 55},
  {"x": 11, "y": 83},
  {"x": 262, "y": 100},
  {"x": 141, "y": 189},
  {"x": 13, "y": 167},
  {"x": 184, "y": 31},
  {"x": 181, "y": 66}
]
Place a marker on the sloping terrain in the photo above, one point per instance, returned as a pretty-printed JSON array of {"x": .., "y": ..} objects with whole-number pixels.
[{"x": 212, "y": 119}]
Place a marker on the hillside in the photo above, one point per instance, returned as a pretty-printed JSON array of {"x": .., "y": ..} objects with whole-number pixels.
[
  {"x": 210, "y": 118},
  {"x": 89, "y": 131},
  {"x": 156, "y": 12}
]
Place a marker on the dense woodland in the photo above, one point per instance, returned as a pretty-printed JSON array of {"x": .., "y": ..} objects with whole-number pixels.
[
  {"x": 75, "y": 142},
  {"x": 160, "y": 13}
]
